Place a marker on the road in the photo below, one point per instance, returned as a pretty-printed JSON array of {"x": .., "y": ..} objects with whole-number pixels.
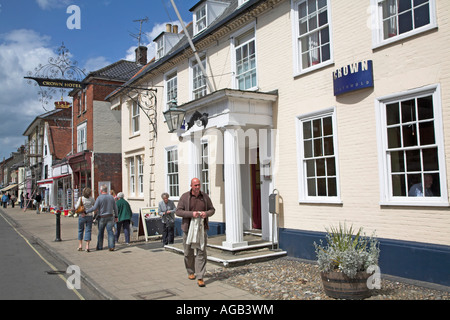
[{"x": 29, "y": 272}]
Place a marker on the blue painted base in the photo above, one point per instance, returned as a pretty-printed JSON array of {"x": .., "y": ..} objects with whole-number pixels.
[{"x": 406, "y": 259}]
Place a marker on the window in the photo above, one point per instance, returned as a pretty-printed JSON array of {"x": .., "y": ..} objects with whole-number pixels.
[
  {"x": 313, "y": 35},
  {"x": 172, "y": 171},
  {"x": 135, "y": 118},
  {"x": 140, "y": 165},
  {"x": 397, "y": 19},
  {"x": 318, "y": 174},
  {"x": 200, "y": 19},
  {"x": 245, "y": 56},
  {"x": 412, "y": 149},
  {"x": 160, "y": 48},
  {"x": 171, "y": 89},
  {"x": 198, "y": 79},
  {"x": 85, "y": 99},
  {"x": 205, "y": 167},
  {"x": 132, "y": 177},
  {"x": 82, "y": 137}
]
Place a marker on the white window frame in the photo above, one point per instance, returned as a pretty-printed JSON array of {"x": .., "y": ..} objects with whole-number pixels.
[
  {"x": 202, "y": 18},
  {"x": 135, "y": 118},
  {"x": 196, "y": 72},
  {"x": 82, "y": 137},
  {"x": 140, "y": 175},
  {"x": 132, "y": 176},
  {"x": 378, "y": 30},
  {"x": 160, "y": 48},
  {"x": 169, "y": 172},
  {"x": 235, "y": 47},
  {"x": 384, "y": 163},
  {"x": 297, "y": 52},
  {"x": 170, "y": 84},
  {"x": 205, "y": 172},
  {"x": 302, "y": 176}
]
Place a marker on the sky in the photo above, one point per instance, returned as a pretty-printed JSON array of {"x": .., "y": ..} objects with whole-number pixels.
[{"x": 31, "y": 31}]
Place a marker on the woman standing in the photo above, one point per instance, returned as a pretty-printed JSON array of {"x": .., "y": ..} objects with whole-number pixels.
[
  {"x": 166, "y": 209},
  {"x": 85, "y": 219},
  {"x": 125, "y": 215}
]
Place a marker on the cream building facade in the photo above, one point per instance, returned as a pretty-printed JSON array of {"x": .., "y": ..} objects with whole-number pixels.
[{"x": 342, "y": 109}]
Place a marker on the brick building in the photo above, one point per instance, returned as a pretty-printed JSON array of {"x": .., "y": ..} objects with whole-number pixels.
[{"x": 96, "y": 149}]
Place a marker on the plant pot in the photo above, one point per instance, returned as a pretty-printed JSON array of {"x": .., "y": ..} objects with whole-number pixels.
[{"x": 339, "y": 286}]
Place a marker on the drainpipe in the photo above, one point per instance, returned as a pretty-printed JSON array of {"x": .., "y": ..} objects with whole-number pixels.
[{"x": 200, "y": 64}]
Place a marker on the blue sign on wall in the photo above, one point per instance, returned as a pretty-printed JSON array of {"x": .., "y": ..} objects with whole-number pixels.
[{"x": 353, "y": 77}]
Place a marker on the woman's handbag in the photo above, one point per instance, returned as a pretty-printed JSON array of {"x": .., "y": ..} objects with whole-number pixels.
[{"x": 80, "y": 209}]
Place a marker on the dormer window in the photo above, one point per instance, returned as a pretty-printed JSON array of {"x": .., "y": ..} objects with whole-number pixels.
[
  {"x": 166, "y": 40},
  {"x": 200, "y": 19},
  {"x": 205, "y": 12}
]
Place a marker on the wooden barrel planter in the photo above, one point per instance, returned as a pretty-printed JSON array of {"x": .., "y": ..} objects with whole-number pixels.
[{"x": 339, "y": 286}]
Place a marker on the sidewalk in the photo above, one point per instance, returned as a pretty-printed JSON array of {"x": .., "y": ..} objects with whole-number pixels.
[{"x": 143, "y": 270}]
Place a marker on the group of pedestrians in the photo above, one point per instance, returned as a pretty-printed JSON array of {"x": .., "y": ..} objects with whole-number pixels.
[
  {"x": 109, "y": 212},
  {"x": 8, "y": 198},
  {"x": 194, "y": 207}
]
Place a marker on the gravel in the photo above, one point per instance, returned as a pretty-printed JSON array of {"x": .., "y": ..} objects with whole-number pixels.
[{"x": 291, "y": 279}]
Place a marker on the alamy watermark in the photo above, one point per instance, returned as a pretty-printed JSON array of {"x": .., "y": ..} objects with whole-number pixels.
[
  {"x": 74, "y": 20},
  {"x": 74, "y": 280}
]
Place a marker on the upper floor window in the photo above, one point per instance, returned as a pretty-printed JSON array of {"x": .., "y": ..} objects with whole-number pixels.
[
  {"x": 135, "y": 118},
  {"x": 313, "y": 35},
  {"x": 412, "y": 148},
  {"x": 81, "y": 137},
  {"x": 397, "y": 19},
  {"x": 200, "y": 22},
  {"x": 160, "y": 48},
  {"x": 172, "y": 181},
  {"x": 198, "y": 79},
  {"x": 245, "y": 56},
  {"x": 171, "y": 89}
]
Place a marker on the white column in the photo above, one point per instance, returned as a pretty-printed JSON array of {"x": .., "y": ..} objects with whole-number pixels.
[
  {"x": 195, "y": 155},
  {"x": 233, "y": 192}
]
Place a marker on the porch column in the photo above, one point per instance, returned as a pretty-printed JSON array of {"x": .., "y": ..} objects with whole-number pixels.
[
  {"x": 233, "y": 192},
  {"x": 194, "y": 157}
]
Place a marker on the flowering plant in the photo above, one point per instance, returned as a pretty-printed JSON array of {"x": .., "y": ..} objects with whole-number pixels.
[{"x": 346, "y": 252}]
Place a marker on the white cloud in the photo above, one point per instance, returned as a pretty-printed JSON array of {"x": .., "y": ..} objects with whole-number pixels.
[
  {"x": 21, "y": 51},
  {"x": 52, "y": 4},
  {"x": 97, "y": 63}
]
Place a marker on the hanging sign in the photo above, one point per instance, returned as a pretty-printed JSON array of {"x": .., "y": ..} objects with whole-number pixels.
[
  {"x": 58, "y": 83},
  {"x": 353, "y": 77}
]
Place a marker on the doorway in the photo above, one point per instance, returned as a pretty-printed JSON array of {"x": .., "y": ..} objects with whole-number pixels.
[{"x": 255, "y": 182}]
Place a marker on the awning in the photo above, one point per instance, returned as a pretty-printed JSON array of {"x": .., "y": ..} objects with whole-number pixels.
[
  {"x": 50, "y": 180},
  {"x": 9, "y": 187}
]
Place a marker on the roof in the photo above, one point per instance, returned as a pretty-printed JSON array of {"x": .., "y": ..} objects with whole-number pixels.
[
  {"x": 231, "y": 12},
  {"x": 56, "y": 114},
  {"x": 121, "y": 70}
]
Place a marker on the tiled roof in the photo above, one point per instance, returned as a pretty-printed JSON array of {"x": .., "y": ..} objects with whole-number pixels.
[
  {"x": 58, "y": 138},
  {"x": 120, "y": 70}
]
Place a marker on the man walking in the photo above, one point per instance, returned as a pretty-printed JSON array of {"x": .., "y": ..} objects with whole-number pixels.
[
  {"x": 195, "y": 207},
  {"x": 107, "y": 216}
]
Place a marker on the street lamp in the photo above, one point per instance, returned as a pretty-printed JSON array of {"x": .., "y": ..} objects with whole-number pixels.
[{"x": 174, "y": 116}]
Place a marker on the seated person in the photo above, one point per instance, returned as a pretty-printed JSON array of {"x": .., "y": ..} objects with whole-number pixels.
[{"x": 417, "y": 189}]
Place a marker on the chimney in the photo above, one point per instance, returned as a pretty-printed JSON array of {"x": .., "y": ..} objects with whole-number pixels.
[
  {"x": 141, "y": 55},
  {"x": 175, "y": 28},
  {"x": 168, "y": 27}
]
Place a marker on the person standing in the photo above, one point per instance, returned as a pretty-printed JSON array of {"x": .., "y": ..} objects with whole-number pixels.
[
  {"x": 37, "y": 198},
  {"x": 124, "y": 219},
  {"x": 22, "y": 201},
  {"x": 85, "y": 219},
  {"x": 4, "y": 200},
  {"x": 195, "y": 207},
  {"x": 166, "y": 209},
  {"x": 107, "y": 215}
]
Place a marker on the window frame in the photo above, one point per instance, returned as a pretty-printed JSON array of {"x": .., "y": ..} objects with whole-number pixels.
[
  {"x": 197, "y": 20},
  {"x": 235, "y": 47},
  {"x": 205, "y": 172},
  {"x": 297, "y": 53},
  {"x": 385, "y": 170},
  {"x": 135, "y": 118},
  {"x": 302, "y": 176},
  {"x": 132, "y": 176},
  {"x": 82, "y": 128},
  {"x": 378, "y": 29},
  {"x": 168, "y": 173},
  {"x": 168, "y": 78},
  {"x": 197, "y": 93}
]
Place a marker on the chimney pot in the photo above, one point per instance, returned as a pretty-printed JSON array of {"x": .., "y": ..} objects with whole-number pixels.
[
  {"x": 168, "y": 27},
  {"x": 175, "y": 28}
]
